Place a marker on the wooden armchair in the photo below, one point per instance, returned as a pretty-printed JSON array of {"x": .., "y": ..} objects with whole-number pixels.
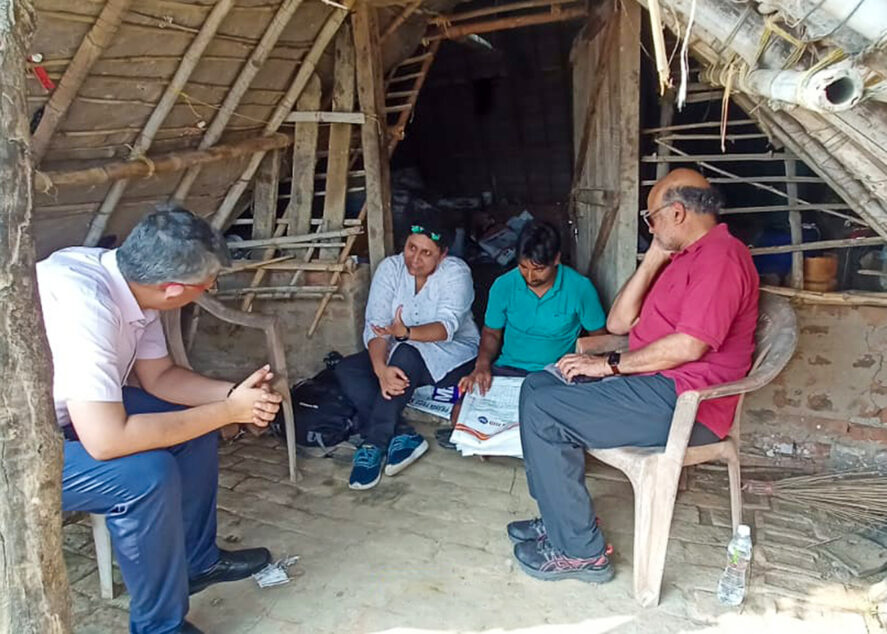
[
  {"x": 172, "y": 326},
  {"x": 654, "y": 472}
]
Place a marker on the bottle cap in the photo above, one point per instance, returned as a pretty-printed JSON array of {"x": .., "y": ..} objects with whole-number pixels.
[{"x": 743, "y": 530}]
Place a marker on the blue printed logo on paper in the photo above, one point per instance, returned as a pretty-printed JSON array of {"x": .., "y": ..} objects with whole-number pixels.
[{"x": 483, "y": 420}]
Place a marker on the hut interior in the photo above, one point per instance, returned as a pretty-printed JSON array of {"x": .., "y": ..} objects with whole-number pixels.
[{"x": 311, "y": 131}]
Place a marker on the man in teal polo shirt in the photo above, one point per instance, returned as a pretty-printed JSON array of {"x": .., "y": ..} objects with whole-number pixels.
[{"x": 535, "y": 313}]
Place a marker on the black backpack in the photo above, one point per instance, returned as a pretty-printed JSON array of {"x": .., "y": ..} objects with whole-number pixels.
[{"x": 324, "y": 416}]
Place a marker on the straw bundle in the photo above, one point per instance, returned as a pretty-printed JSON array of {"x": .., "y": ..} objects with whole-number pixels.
[{"x": 852, "y": 496}]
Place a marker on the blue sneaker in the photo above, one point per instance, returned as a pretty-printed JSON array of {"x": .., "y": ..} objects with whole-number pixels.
[
  {"x": 366, "y": 469},
  {"x": 403, "y": 451}
]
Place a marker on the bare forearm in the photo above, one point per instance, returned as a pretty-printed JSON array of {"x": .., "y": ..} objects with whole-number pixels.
[
  {"x": 378, "y": 350},
  {"x": 627, "y": 305},
  {"x": 490, "y": 345},
  {"x": 663, "y": 354},
  {"x": 180, "y": 385},
  {"x": 434, "y": 331},
  {"x": 144, "y": 432}
]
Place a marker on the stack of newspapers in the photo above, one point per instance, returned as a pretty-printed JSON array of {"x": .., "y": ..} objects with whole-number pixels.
[{"x": 488, "y": 425}]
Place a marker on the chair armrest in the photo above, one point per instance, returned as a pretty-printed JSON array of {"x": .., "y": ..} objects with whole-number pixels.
[
  {"x": 599, "y": 344},
  {"x": 747, "y": 384}
]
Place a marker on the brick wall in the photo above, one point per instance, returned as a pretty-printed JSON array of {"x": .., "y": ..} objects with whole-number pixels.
[{"x": 830, "y": 403}]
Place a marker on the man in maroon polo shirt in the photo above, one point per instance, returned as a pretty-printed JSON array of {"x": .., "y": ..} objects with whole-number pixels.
[{"x": 690, "y": 311}]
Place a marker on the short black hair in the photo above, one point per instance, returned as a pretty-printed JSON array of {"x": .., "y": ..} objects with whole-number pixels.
[
  {"x": 701, "y": 200},
  {"x": 539, "y": 242},
  {"x": 432, "y": 223}
]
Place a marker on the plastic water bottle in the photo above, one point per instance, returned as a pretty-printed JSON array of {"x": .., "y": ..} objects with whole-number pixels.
[{"x": 731, "y": 587}]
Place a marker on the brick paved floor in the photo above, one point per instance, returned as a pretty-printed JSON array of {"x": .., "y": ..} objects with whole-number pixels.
[{"x": 426, "y": 552}]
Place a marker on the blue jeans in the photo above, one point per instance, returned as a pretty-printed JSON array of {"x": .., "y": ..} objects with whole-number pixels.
[{"x": 160, "y": 507}]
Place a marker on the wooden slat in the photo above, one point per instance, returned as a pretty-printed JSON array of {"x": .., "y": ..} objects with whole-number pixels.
[
  {"x": 298, "y": 210},
  {"x": 370, "y": 85},
  {"x": 794, "y": 223},
  {"x": 265, "y": 196},
  {"x": 715, "y": 158},
  {"x": 355, "y": 118},
  {"x": 340, "y": 134}
]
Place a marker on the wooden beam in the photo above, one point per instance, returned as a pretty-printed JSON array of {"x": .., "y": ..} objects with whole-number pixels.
[
  {"x": 284, "y": 107},
  {"x": 299, "y": 116},
  {"x": 265, "y": 196},
  {"x": 285, "y": 241},
  {"x": 370, "y": 88},
  {"x": 852, "y": 298},
  {"x": 505, "y": 24},
  {"x": 298, "y": 210},
  {"x": 339, "y": 156},
  {"x": 400, "y": 19},
  {"x": 821, "y": 244},
  {"x": 143, "y": 143},
  {"x": 501, "y": 8},
  {"x": 94, "y": 43},
  {"x": 177, "y": 161},
  {"x": 249, "y": 71}
]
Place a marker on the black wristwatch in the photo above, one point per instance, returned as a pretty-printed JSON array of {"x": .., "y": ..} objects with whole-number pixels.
[
  {"x": 406, "y": 337},
  {"x": 613, "y": 360}
]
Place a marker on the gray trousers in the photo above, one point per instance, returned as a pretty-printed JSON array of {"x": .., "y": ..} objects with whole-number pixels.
[{"x": 558, "y": 422}]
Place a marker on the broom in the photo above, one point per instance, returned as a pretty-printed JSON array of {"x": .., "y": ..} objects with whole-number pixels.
[{"x": 859, "y": 497}]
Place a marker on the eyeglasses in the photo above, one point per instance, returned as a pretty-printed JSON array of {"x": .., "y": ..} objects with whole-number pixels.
[
  {"x": 211, "y": 287},
  {"x": 423, "y": 230},
  {"x": 647, "y": 215}
]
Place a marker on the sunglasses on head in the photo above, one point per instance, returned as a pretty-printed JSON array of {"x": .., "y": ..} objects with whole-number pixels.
[{"x": 424, "y": 231}]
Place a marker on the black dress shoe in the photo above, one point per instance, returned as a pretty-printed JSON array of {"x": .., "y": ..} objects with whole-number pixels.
[
  {"x": 190, "y": 628},
  {"x": 231, "y": 566}
]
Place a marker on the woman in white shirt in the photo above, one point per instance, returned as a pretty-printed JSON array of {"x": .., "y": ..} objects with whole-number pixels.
[{"x": 419, "y": 331}]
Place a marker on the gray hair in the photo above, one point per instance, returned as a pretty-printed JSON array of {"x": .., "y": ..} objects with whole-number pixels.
[
  {"x": 701, "y": 200},
  {"x": 172, "y": 244}
]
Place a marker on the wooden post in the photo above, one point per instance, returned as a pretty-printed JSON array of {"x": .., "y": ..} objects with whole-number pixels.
[
  {"x": 371, "y": 92},
  {"x": 794, "y": 222},
  {"x": 33, "y": 580},
  {"x": 298, "y": 210},
  {"x": 91, "y": 48},
  {"x": 265, "y": 196},
  {"x": 340, "y": 136}
]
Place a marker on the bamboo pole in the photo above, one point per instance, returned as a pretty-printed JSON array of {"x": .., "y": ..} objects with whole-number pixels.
[
  {"x": 820, "y": 245},
  {"x": 143, "y": 143},
  {"x": 306, "y": 70},
  {"x": 502, "y": 8},
  {"x": 397, "y": 131},
  {"x": 250, "y": 69},
  {"x": 284, "y": 241},
  {"x": 400, "y": 19},
  {"x": 504, "y": 24},
  {"x": 94, "y": 43},
  {"x": 177, "y": 161},
  {"x": 696, "y": 126},
  {"x": 662, "y": 68},
  {"x": 853, "y": 298},
  {"x": 237, "y": 292},
  {"x": 285, "y": 263}
]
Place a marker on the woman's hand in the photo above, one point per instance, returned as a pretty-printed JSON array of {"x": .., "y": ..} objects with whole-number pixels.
[
  {"x": 573, "y": 365},
  {"x": 393, "y": 382},
  {"x": 395, "y": 329}
]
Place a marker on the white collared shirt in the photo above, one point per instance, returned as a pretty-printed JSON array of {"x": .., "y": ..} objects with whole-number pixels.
[
  {"x": 95, "y": 327},
  {"x": 446, "y": 298}
]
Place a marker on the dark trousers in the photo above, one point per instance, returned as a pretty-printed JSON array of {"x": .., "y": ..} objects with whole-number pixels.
[
  {"x": 558, "y": 422},
  {"x": 160, "y": 507},
  {"x": 378, "y": 416}
]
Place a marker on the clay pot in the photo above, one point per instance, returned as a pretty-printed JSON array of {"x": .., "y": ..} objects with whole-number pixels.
[{"x": 821, "y": 273}]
